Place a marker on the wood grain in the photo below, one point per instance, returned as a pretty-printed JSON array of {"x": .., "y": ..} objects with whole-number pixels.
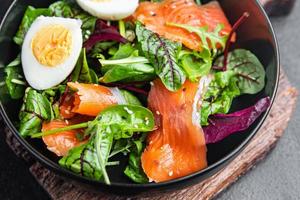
[{"x": 260, "y": 145}]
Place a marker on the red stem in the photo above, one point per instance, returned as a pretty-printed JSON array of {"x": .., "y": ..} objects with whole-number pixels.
[{"x": 236, "y": 25}]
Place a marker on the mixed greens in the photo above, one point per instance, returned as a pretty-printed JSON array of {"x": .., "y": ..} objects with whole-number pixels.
[{"x": 127, "y": 56}]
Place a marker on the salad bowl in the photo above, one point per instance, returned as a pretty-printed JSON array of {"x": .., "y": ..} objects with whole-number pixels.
[{"x": 256, "y": 35}]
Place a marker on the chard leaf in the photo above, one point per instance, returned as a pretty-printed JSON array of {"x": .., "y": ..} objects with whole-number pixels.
[
  {"x": 70, "y": 9},
  {"x": 30, "y": 15},
  {"x": 14, "y": 80},
  {"x": 35, "y": 109},
  {"x": 247, "y": 68},
  {"x": 83, "y": 160},
  {"x": 224, "y": 125},
  {"x": 81, "y": 72},
  {"x": 162, "y": 54}
]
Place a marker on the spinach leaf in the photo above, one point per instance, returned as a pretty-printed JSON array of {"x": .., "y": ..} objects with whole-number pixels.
[
  {"x": 130, "y": 98},
  {"x": 219, "y": 96},
  {"x": 14, "y": 80},
  {"x": 129, "y": 73},
  {"x": 162, "y": 54},
  {"x": 116, "y": 122},
  {"x": 81, "y": 72},
  {"x": 247, "y": 68},
  {"x": 134, "y": 169},
  {"x": 195, "y": 64},
  {"x": 30, "y": 15},
  {"x": 127, "y": 66},
  {"x": 35, "y": 109},
  {"x": 70, "y": 9}
]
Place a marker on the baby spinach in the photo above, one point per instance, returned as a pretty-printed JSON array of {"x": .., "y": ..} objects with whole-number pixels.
[
  {"x": 162, "y": 54},
  {"x": 30, "y": 15},
  {"x": 14, "y": 80},
  {"x": 114, "y": 123},
  {"x": 247, "y": 68},
  {"x": 127, "y": 66},
  {"x": 35, "y": 109},
  {"x": 130, "y": 98}
]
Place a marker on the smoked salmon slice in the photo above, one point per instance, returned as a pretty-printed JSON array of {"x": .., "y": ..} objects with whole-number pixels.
[
  {"x": 90, "y": 99},
  {"x": 60, "y": 143},
  {"x": 177, "y": 148},
  {"x": 155, "y": 17}
]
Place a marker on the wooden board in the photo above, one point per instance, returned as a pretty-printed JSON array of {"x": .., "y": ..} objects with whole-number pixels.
[{"x": 260, "y": 145}]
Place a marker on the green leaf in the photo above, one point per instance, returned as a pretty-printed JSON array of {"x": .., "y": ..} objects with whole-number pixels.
[
  {"x": 209, "y": 40},
  {"x": 248, "y": 70},
  {"x": 35, "y": 109},
  {"x": 30, "y": 15},
  {"x": 83, "y": 160},
  {"x": 14, "y": 80},
  {"x": 70, "y": 9},
  {"x": 116, "y": 122},
  {"x": 162, "y": 54},
  {"x": 129, "y": 73},
  {"x": 125, "y": 120},
  {"x": 219, "y": 96},
  {"x": 195, "y": 64},
  {"x": 134, "y": 169},
  {"x": 130, "y": 98},
  {"x": 81, "y": 72}
]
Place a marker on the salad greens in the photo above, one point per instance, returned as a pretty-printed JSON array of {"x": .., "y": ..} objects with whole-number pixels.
[
  {"x": 163, "y": 55},
  {"x": 117, "y": 122},
  {"x": 129, "y": 56},
  {"x": 14, "y": 80}
]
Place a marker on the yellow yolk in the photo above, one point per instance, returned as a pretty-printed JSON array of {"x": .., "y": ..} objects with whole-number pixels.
[{"x": 52, "y": 45}]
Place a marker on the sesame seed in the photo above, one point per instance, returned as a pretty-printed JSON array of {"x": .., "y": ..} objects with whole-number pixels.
[
  {"x": 128, "y": 111},
  {"x": 157, "y": 112},
  {"x": 171, "y": 173}
]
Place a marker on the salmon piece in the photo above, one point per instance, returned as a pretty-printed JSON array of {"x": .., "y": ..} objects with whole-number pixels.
[
  {"x": 177, "y": 148},
  {"x": 60, "y": 143},
  {"x": 90, "y": 99},
  {"x": 155, "y": 17}
]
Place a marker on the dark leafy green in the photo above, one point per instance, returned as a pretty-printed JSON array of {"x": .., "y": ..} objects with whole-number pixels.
[
  {"x": 126, "y": 66},
  {"x": 70, "y": 9},
  {"x": 14, "y": 80},
  {"x": 81, "y": 72},
  {"x": 195, "y": 64},
  {"x": 116, "y": 122},
  {"x": 30, "y": 15},
  {"x": 134, "y": 169},
  {"x": 162, "y": 54},
  {"x": 248, "y": 70},
  {"x": 36, "y": 109},
  {"x": 130, "y": 98},
  {"x": 219, "y": 96}
]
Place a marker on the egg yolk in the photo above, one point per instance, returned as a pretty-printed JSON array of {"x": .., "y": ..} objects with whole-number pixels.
[{"x": 52, "y": 45}]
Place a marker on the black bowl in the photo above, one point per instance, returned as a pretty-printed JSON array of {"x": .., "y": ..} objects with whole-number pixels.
[{"x": 256, "y": 35}]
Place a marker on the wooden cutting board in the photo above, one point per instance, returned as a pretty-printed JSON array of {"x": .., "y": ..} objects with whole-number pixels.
[{"x": 258, "y": 148}]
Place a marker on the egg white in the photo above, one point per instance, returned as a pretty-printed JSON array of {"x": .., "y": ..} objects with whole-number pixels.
[
  {"x": 109, "y": 9},
  {"x": 43, "y": 77}
]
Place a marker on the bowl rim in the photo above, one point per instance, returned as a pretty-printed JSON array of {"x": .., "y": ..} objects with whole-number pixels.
[{"x": 66, "y": 173}]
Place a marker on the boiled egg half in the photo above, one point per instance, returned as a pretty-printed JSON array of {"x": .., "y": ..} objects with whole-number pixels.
[
  {"x": 109, "y": 9},
  {"x": 50, "y": 51}
]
